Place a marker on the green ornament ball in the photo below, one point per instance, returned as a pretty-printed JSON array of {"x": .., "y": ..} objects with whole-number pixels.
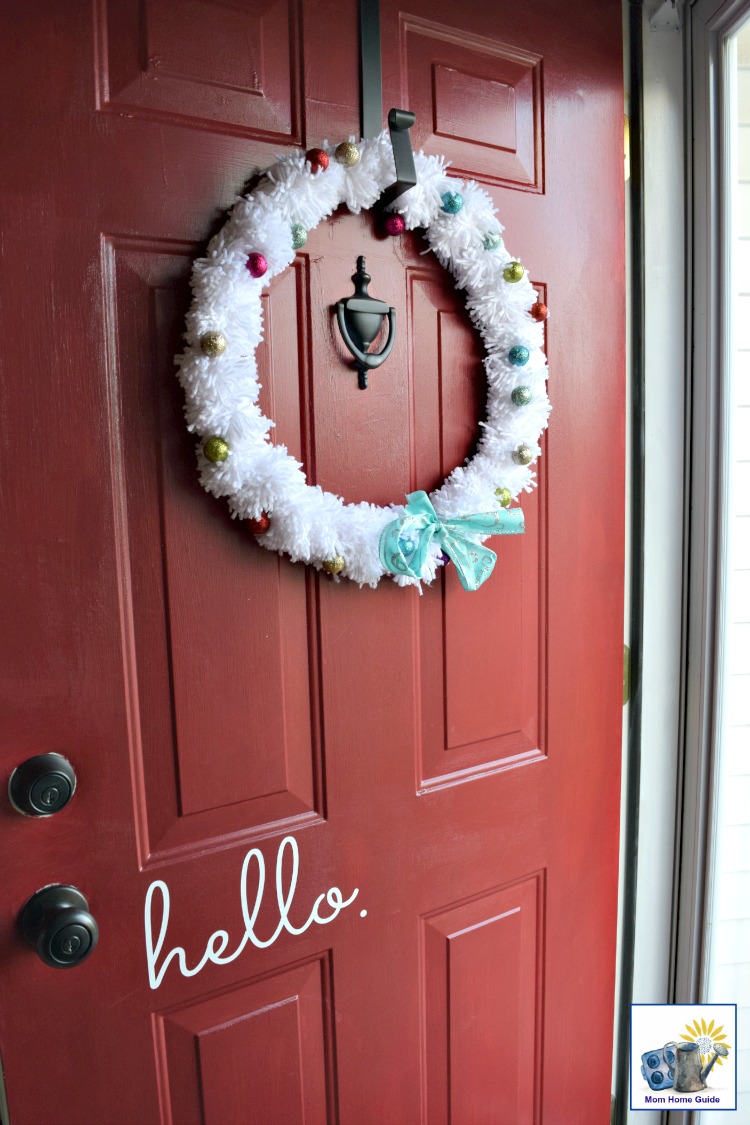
[
  {"x": 521, "y": 396},
  {"x": 215, "y": 449},
  {"x": 504, "y": 497},
  {"x": 513, "y": 272},
  {"x": 299, "y": 236}
]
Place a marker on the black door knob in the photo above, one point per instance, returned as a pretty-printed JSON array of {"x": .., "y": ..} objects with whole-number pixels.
[
  {"x": 56, "y": 923},
  {"x": 42, "y": 785}
]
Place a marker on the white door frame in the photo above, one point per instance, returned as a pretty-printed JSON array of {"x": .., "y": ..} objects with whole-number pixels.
[{"x": 680, "y": 277}]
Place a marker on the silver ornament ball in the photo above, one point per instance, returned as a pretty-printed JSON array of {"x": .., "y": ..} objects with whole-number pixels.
[
  {"x": 522, "y": 455},
  {"x": 521, "y": 396}
]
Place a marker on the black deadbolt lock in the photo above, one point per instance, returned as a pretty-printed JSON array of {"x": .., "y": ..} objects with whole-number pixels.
[
  {"x": 57, "y": 924},
  {"x": 42, "y": 785}
]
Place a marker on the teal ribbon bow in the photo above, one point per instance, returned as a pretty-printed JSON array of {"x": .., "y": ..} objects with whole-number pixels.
[{"x": 405, "y": 542}]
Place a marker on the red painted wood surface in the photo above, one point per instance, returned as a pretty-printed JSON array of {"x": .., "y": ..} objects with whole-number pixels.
[{"x": 455, "y": 757}]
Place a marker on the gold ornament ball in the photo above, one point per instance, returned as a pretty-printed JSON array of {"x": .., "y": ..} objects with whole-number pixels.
[
  {"x": 216, "y": 449},
  {"x": 334, "y": 565},
  {"x": 347, "y": 154},
  {"x": 213, "y": 343},
  {"x": 523, "y": 455},
  {"x": 513, "y": 271},
  {"x": 504, "y": 497}
]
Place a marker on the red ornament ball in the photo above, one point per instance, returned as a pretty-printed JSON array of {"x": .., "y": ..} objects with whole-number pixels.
[
  {"x": 394, "y": 224},
  {"x": 256, "y": 265},
  {"x": 318, "y": 159},
  {"x": 261, "y": 525},
  {"x": 539, "y": 312}
]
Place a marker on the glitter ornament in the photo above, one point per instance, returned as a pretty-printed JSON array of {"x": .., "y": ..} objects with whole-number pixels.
[
  {"x": 299, "y": 236},
  {"x": 513, "y": 272},
  {"x": 213, "y": 343},
  {"x": 318, "y": 159},
  {"x": 504, "y": 497},
  {"x": 518, "y": 355},
  {"x": 261, "y": 525},
  {"x": 452, "y": 202},
  {"x": 256, "y": 265},
  {"x": 539, "y": 312},
  {"x": 347, "y": 154},
  {"x": 407, "y": 544},
  {"x": 394, "y": 224},
  {"x": 334, "y": 565},
  {"x": 215, "y": 449},
  {"x": 521, "y": 396},
  {"x": 492, "y": 240},
  {"x": 522, "y": 455}
]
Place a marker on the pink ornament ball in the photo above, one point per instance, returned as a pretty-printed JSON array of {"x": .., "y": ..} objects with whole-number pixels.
[
  {"x": 394, "y": 225},
  {"x": 256, "y": 265},
  {"x": 318, "y": 158}
]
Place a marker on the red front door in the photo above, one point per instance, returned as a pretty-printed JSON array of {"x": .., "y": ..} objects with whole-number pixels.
[{"x": 453, "y": 758}]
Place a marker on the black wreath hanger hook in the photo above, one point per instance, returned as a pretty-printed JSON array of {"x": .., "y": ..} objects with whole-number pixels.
[
  {"x": 400, "y": 121},
  {"x": 360, "y": 317}
]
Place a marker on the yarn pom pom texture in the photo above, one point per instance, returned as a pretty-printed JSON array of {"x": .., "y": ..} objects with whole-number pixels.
[{"x": 261, "y": 480}]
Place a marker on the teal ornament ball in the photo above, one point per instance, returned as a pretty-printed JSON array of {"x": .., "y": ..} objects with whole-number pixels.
[
  {"x": 518, "y": 355},
  {"x": 452, "y": 202},
  {"x": 521, "y": 396},
  {"x": 408, "y": 544},
  {"x": 492, "y": 240},
  {"x": 299, "y": 236}
]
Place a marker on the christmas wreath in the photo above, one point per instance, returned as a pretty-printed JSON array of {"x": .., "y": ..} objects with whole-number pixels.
[{"x": 262, "y": 481}]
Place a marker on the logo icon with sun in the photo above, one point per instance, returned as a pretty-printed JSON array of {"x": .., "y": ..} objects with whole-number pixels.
[{"x": 708, "y": 1037}]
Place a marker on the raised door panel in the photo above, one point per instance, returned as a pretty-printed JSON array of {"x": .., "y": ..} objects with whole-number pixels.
[
  {"x": 360, "y": 440},
  {"x": 477, "y": 100},
  {"x": 219, "y": 637},
  {"x": 482, "y": 987},
  {"x": 261, "y": 1054},
  {"x": 483, "y": 705},
  {"x": 233, "y": 67}
]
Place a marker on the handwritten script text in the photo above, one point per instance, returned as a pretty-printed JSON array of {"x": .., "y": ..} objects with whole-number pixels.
[{"x": 219, "y": 941}]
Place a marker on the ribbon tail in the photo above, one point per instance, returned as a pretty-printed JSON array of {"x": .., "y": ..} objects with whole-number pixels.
[
  {"x": 474, "y": 562},
  {"x": 509, "y": 521}
]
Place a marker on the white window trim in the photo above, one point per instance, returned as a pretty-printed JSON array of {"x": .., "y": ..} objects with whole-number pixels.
[
  {"x": 685, "y": 287},
  {"x": 710, "y": 289}
]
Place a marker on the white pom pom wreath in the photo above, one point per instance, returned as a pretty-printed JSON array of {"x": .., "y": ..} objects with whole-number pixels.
[{"x": 221, "y": 390}]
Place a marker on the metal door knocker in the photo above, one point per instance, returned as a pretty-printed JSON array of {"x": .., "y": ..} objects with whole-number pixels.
[{"x": 360, "y": 319}]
